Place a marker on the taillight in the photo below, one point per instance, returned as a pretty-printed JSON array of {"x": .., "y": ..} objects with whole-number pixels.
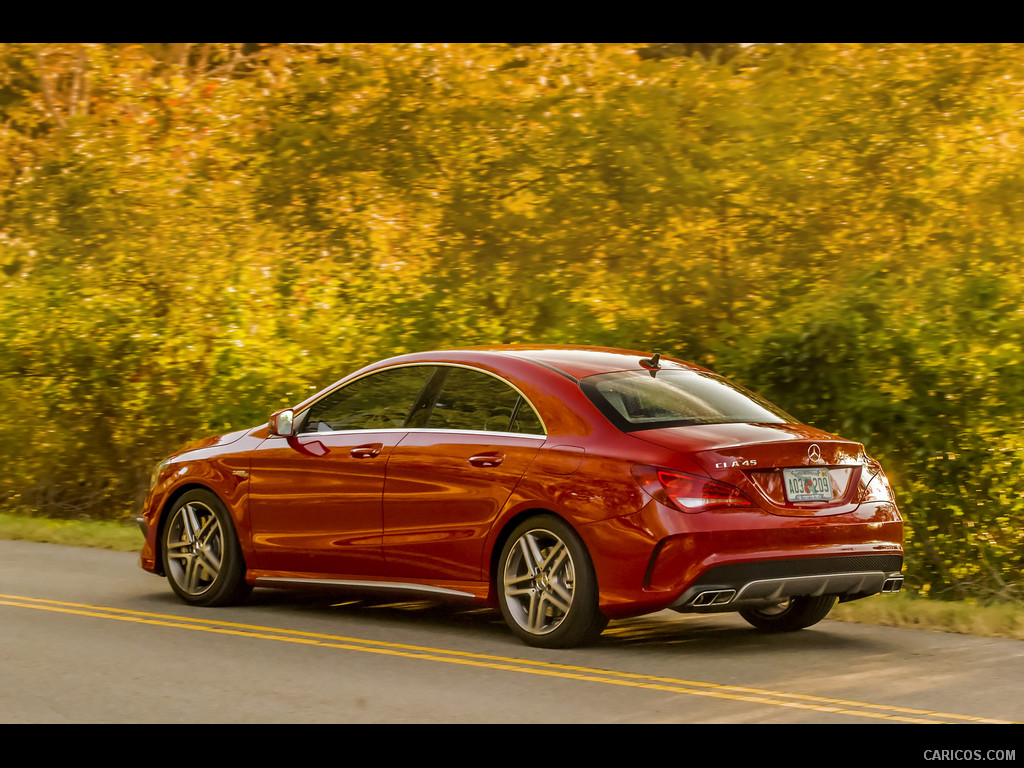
[
  {"x": 689, "y": 493},
  {"x": 876, "y": 489}
]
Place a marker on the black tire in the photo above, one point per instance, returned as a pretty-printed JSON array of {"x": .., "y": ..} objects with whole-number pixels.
[
  {"x": 201, "y": 556},
  {"x": 546, "y": 586},
  {"x": 798, "y": 613}
]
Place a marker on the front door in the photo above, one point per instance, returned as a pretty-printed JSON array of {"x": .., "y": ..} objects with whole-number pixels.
[{"x": 316, "y": 499}]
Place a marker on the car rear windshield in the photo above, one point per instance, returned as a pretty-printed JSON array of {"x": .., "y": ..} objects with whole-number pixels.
[{"x": 634, "y": 400}]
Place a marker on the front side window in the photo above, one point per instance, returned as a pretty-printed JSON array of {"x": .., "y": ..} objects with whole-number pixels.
[
  {"x": 635, "y": 400},
  {"x": 382, "y": 400},
  {"x": 474, "y": 400}
]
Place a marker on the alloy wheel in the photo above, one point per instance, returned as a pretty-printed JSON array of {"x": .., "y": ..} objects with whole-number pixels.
[
  {"x": 195, "y": 545},
  {"x": 539, "y": 581}
]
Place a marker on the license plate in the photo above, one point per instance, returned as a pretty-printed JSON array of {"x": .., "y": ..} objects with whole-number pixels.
[{"x": 807, "y": 484}]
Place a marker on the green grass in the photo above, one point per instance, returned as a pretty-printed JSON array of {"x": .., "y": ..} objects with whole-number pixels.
[
  {"x": 122, "y": 535},
  {"x": 902, "y": 610}
]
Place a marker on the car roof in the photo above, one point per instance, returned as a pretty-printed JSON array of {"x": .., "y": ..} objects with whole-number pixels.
[{"x": 578, "y": 362}]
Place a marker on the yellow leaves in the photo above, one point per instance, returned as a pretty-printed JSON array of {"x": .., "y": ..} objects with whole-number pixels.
[
  {"x": 521, "y": 202},
  {"x": 221, "y": 227}
]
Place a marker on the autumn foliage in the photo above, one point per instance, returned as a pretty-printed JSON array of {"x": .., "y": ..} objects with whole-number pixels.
[{"x": 193, "y": 235}]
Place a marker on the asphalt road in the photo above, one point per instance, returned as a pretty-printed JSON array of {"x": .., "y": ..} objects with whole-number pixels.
[{"x": 87, "y": 637}]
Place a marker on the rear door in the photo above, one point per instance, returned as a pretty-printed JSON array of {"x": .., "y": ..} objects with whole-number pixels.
[{"x": 452, "y": 473}]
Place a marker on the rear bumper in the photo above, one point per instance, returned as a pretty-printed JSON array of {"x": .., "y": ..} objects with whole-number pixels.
[
  {"x": 732, "y": 586},
  {"x": 661, "y": 558}
]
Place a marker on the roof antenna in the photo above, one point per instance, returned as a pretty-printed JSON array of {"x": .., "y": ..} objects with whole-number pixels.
[{"x": 652, "y": 364}]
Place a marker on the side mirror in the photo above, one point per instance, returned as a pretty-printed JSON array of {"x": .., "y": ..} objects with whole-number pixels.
[{"x": 282, "y": 423}]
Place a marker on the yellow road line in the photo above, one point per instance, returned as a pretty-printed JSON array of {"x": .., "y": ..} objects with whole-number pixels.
[{"x": 565, "y": 671}]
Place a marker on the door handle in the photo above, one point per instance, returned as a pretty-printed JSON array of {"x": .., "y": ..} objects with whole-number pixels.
[
  {"x": 366, "y": 451},
  {"x": 486, "y": 460}
]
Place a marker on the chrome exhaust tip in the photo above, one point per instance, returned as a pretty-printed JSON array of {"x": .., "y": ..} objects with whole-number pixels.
[
  {"x": 714, "y": 597},
  {"x": 893, "y": 584}
]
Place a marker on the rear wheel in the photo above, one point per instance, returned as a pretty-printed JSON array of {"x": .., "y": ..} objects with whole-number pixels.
[
  {"x": 202, "y": 559},
  {"x": 796, "y": 613},
  {"x": 547, "y": 587}
]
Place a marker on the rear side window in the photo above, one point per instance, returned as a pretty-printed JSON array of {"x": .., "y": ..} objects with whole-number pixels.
[
  {"x": 477, "y": 401},
  {"x": 634, "y": 400}
]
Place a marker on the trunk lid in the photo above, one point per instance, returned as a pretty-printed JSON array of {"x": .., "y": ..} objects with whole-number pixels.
[{"x": 788, "y": 469}]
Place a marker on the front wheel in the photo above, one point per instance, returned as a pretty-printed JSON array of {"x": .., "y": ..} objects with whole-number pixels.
[
  {"x": 202, "y": 559},
  {"x": 796, "y": 613},
  {"x": 547, "y": 589}
]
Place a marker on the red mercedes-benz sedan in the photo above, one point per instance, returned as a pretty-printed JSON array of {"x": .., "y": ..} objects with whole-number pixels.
[{"x": 566, "y": 485}]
